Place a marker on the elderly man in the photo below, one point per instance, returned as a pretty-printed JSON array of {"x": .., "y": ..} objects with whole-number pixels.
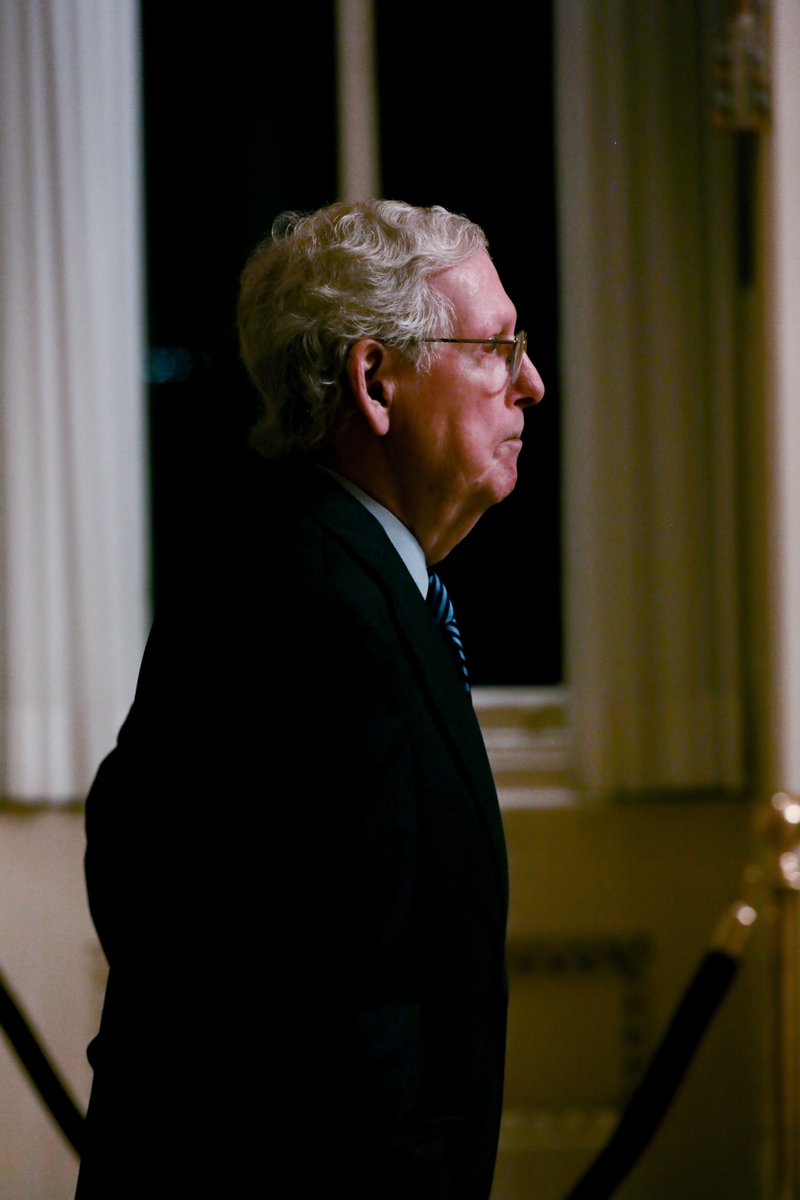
[{"x": 295, "y": 857}]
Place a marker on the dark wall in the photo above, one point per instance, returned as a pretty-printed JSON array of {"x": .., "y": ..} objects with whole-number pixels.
[{"x": 240, "y": 125}]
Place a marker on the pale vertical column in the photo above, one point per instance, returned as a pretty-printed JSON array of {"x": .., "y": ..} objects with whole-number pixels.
[
  {"x": 357, "y": 93},
  {"x": 782, "y": 482},
  {"x": 783, "y": 355}
]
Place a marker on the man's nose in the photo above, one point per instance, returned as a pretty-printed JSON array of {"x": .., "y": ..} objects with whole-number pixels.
[{"x": 528, "y": 388}]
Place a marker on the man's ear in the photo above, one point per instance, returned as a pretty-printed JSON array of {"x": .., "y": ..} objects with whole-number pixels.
[{"x": 371, "y": 382}]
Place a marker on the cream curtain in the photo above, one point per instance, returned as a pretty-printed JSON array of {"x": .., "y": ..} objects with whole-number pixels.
[
  {"x": 72, "y": 506},
  {"x": 652, "y": 526}
]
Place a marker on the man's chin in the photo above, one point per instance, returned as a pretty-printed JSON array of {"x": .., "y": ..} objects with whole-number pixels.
[{"x": 505, "y": 482}]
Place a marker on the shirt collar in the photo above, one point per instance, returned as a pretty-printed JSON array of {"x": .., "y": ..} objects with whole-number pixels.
[{"x": 401, "y": 537}]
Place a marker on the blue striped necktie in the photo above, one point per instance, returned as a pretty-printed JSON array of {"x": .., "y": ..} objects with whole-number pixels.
[{"x": 441, "y": 606}]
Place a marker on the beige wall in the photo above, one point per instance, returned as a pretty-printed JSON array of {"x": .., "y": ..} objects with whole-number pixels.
[
  {"x": 588, "y": 887},
  {"x": 50, "y": 957}
]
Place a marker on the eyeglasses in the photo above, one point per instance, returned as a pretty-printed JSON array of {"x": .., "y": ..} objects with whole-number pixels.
[{"x": 514, "y": 361}]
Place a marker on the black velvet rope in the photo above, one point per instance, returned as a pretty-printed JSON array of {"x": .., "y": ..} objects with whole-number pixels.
[
  {"x": 42, "y": 1074},
  {"x": 647, "y": 1106}
]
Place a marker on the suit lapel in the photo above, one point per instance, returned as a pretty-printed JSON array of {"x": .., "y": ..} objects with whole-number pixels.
[{"x": 348, "y": 520}]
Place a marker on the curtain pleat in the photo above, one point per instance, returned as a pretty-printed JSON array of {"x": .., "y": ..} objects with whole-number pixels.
[
  {"x": 72, "y": 516},
  {"x": 652, "y": 524}
]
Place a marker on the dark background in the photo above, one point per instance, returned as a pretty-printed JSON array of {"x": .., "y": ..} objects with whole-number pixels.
[{"x": 240, "y": 124}]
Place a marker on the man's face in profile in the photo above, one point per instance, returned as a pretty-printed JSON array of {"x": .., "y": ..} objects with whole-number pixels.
[{"x": 457, "y": 426}]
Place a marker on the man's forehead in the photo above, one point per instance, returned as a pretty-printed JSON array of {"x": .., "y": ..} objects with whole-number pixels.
[{"x": 475, "y": 289}]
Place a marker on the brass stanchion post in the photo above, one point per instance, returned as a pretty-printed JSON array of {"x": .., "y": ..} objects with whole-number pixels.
[{"x": 786, "y": 823}]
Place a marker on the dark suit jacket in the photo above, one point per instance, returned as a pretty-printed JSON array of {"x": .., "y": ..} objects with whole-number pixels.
[{"x": 296, "y": 867}]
